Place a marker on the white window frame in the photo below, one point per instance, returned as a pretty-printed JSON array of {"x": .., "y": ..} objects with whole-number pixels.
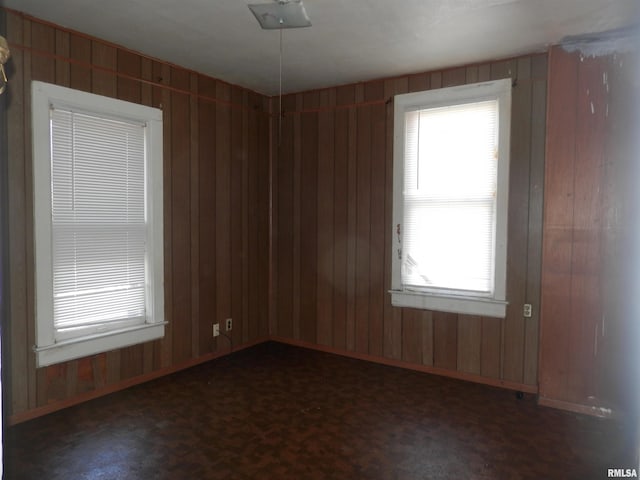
[
  {"x": 49, "y": 350},
  {"x": 493, "y": 305}
]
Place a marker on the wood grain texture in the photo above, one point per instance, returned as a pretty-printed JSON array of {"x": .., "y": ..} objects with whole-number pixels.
[
  {"x": 242, "y": 297},
  {"x": 445, "y": 334},
  {"x": 163, "y": 98},
  {"x": 80, "y": 54},
  {"x": 586, "y": 267},
  {"x": 194, "y": 211},
  {"x": 411, "y": 338},
  {"x": 330, "y": 230},
  {"x": 236, "y": 222},
  {"x": 179, "y": 156},
  {"x": 340, "y": 222},
  {"x": 17, "y": 352},
  {"x": 41, "y": 37},
  {"x": 296, "y": 220},
  {"x": 580, "y": 320},
  {"x": 207, "y": 213},
  {"x": 378, "y": 228},
  {"x": 469, "y": 348},
  {"x": 536, "y": 189},
  {"x": 131, "y": 358},
  {"x": 223, "y": 211},
  {"x": 351, "y": 237},
  {"x": 325, "y": 227},
  {"x": 196, "y": 230},
  {"x": 392, "y": 319},
  {"x": 362, "y": 229},
  {"x": 308, "y": 219},
  {"x": 284, "y": 229},
  {"x": 558, "y": 220},
  {"x": 360, "y": 198},
  {"x": 518, "y": 223}
]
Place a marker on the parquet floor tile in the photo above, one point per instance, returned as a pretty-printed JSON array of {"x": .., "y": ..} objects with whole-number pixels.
[{"x": 281, "y": 412}]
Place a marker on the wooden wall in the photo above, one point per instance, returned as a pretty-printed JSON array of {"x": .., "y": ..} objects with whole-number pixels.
[
  {"x": 332, "y": 224},
  {"x": 589, "y": 325},
  {"x": 216, "y": 210},
  {"x": 315, "y": 270}
]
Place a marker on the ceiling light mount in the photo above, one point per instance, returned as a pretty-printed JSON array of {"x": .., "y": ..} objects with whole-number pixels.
[{"x": 281, "y": 14}]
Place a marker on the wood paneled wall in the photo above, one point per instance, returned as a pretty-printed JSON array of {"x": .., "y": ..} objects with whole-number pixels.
[
  {"x": 589, "y": 328},
  {"x": 332, "y": 222},
  {"x": 216, "y": 209},
  {"x": 315, "y": 269}
]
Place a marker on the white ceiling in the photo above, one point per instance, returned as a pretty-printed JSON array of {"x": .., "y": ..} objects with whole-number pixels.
[{"x": 350, "y": 40}]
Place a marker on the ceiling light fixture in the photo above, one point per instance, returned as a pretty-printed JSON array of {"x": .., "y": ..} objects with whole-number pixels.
[{"x": 279, "y": 15}]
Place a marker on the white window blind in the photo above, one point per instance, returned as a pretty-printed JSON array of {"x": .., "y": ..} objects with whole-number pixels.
[
  {"x": 98, "y": 234},
  {"x": 98, "y": 223},
  {"x": 450, "y": 181},
  {"x": 450, "y": 198}
]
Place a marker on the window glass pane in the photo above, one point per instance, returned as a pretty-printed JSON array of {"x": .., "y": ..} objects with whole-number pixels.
[
  {"x": 98, "y": 221},
  {"x": 450, "y": 180}
]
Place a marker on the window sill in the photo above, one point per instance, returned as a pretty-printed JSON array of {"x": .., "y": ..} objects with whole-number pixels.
[
  {"x": 84, "y": 346},
  {"x": 486, "y": 307}
]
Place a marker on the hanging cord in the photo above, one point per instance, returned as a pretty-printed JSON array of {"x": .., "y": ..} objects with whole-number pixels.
[{"x": 280, "y": 89}]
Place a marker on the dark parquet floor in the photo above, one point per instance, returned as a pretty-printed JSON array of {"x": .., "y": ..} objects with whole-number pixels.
[{"x": 281, "y": 412}]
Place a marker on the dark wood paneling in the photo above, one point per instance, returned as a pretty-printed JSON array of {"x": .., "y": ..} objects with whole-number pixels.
[
  {"x": 63, "y": 69},
  {"x": 18, "y": 345},
  {"x": 411, "y": 338},
  {"x": 340, "y": 222},
  {"x": 392, "y": 317},
  {"x": 362, "y": 229},
  {"x": 585, "y": 314},
  {"x": 558, "y": 218},
  {"x": 263, "y": 246},
  {"x": 194, "y": 211},
  {"x": 236, "y": 202},
  {"x": 180, "y": 156},
  {"x": 212, "y": 171},
  {"x": 308, "y": 218},
  {"x": 223, "y": 210},
  {"x": 297, "y": 205},
  {"x": 360, "y": 199},
  {"x": 162, "y": 97},
  {"x": 536, "y": 188},
  {"x": 131, "y": 358},
  {"x": 351, "y": 238},
  {"x": 490, "y": 347},
  {"x": 331, "y": 220},
  {"x": 80, "y": 54},
  {"x": 469, "y": 346},
  {"x": 284, "y": 230},
  {"x": 325, "y": 189},
  {"x": 377, "y": 291},
  {"x": 37, "y": 383},
  {"x": 207, "y": 213},
  {"x": 518, "y": 222},
  {"x": 241, "y": 224},
  {"x": 427, "y": 338},
  {"x": 445, "y": 334},
  {"x": 586, "y": 299}
]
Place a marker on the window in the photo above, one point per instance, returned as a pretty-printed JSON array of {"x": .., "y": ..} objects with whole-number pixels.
[
  {"x": 450, "y": 193},
  {"x": 97, "y": 223}
]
